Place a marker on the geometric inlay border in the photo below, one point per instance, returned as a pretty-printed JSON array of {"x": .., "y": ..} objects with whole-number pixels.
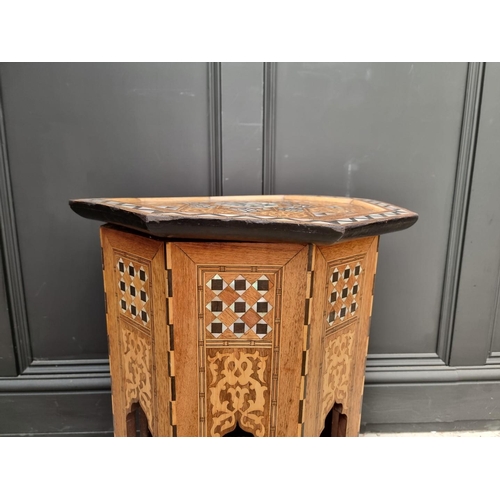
[{"x": 309, "y": 211}]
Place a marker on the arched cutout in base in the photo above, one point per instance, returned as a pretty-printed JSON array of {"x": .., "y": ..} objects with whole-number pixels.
[
  {"x": 238, "y": 432},
  {"x": 137, "y": 422},
  {"x": 335, "y": 423}
]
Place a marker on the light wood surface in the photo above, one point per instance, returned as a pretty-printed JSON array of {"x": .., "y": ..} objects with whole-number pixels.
[
  {"x": 270, "y": 338},
  {"x": 136, "y": 323},
  {"x": 344, "y": 342}
]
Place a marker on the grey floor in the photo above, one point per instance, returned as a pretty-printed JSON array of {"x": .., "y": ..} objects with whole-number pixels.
[{"x": 434, "y": 434}]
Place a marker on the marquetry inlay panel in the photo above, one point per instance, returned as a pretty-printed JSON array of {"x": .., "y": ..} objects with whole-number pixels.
[
  {"x": 337, "y": 367},
  {"x": 137, "y": 363},
  {"x": 238, "y": 390},
  {"x": 344, "y": 291},
  {"x": 315, "y": 210},
  {"x": 132, "y": 281},
  {"x": 239, "y": 310},
  {"x": 239, "y": 306}
]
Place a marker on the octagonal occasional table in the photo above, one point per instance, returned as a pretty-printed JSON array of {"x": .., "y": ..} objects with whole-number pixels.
[{"x": 242, "y": 315}]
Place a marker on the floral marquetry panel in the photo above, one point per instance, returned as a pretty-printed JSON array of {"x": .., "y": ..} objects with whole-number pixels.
[
  {"x": 337, "y": 367},
  {"x": 138, "y": 369},
  {"x": 239, "y": 391}
]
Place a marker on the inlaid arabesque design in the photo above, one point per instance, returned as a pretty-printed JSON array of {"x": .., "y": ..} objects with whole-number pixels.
[
  {"x": 343, "y": 291},
  {"x": 133, "y": 287},
  {"x": 337, "y": 367},
  {"x": 137, "y": 368},
  {"x": 238, "y": 384},
  {"x": 316, "y": 211},
  {"x": 239, "y": 306}
]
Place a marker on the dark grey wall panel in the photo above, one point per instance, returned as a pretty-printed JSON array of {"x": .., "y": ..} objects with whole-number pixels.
[
  {"x": 242, "y": 128},
  {"x": 87, "y": 413},
  {"x": 7, "y": 358},
  {"x": 386, "y": 131},
  {"x": 479, "y": 280},
  {"x": 90, "y": 130},
  {"x": 432, "y": 403}
]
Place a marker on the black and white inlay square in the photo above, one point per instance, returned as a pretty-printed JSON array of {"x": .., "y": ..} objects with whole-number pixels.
[
  {"x": 239, "y": 305},
  {"x": 133, "y": 286},
  {"x": 343, "y": 292}
]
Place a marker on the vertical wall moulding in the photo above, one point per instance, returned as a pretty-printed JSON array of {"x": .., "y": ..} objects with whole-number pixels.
[
  {"x": 215, "y": 127},
  {"x": 465, "y": 166},
  {"x": 269, "y": 129},
  {"x": 10, "y": 245}
]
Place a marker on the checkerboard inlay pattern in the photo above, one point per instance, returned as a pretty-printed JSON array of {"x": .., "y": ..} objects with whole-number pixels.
[
  {"x": 133, "y": 286},
  {"x": 239, "y": 306},
  {"x": 343, "y": 292}
]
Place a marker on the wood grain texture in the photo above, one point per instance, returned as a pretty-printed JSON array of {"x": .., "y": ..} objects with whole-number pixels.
[
  {"x": 292, "y": 344},
  {"x": 272, "y": 218},
  {"x": 186, "y": 341},
  {"x": 361, "y": 352},
  {"x": 209, "y": 337},
  {"x": 134, "y": 280},
  {"x": 344, "y": 326},
  {"x": 312, "y": 421},
  {"x": 238, "y": 390},
  {"x": 240, "y": 295}
]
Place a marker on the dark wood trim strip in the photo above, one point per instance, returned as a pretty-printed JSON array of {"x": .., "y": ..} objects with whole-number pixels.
[
  {"x": 215, "y": 127},
  {"x": 465, "y": 166},
  {"x": 269, "y": 129},
  {"x": 12, "y": 259}
]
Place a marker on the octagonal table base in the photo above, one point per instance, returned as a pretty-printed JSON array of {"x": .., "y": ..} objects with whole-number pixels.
[{"x": 217, "y": 338}]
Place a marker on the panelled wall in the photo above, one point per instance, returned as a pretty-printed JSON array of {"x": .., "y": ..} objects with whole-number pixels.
[{"x": 420, "y": 135}]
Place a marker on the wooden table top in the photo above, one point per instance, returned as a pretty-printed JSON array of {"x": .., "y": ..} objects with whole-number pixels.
[{"x": 314, "y": 219}]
